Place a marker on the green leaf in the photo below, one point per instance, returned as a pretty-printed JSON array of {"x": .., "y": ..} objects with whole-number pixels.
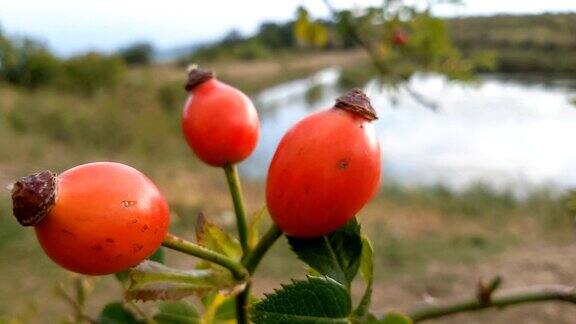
[
  {"x": 153, "y": 281},
  {"x": 179, "y": 312},
  {"x": 214, "y": 238},
  {"x": 226, "y": 310},
  {"x": 254, "y": 228},
  {"x": 220, "y": 308},
  {"x": 367, "y": 271},
  {"x": 122, "y": 276},
  {"x": 367, "y": 260},
  {"x": 395, "y": 318},
  {"x": 316, "y": 300},
  {"x": 336, "y": 255},
  {"x": 157, "y": 256},
  {"x": 389, "y": 318},
  {"x": 115, "y": 313}
]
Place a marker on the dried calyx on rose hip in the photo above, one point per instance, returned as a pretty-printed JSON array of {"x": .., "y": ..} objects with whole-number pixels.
[
  {"x": 325, "y": 169},
  {"x": 219, "y": 122},
  {"x": 97, "y": 218}
]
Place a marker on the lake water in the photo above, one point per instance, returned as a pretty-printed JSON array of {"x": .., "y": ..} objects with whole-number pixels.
[{"x": 507, "y": 133}]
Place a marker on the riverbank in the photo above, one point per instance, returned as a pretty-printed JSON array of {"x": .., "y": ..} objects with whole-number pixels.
[{"x": 519, "y": 43}]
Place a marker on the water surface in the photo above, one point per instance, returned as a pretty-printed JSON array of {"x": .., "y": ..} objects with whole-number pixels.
[{"x": 505, "y": 132}]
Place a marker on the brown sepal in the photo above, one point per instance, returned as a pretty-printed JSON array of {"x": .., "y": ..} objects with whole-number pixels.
[
  {"x": 197, "y": 76},
  {"x": 356, "y": 101},
  {"x": 33, "y": 197}
]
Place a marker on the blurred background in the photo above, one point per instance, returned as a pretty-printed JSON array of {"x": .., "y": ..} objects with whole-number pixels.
[{"x": 477, "y": 107}]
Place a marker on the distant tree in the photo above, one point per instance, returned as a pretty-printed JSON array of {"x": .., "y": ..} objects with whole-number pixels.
[
  {"x": 309, "y": 32},
  {"x": 276, "y": 35},
  {"x": 90, "y": 72},
  {"x": 27, "y": 63},
  {"x": 233, "y": 37},
  {"x": 343, "y": 19},
  {"x": 138, "y": 54}
]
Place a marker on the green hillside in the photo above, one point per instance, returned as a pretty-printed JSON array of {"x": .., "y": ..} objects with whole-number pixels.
[{"x": 526, "y": 43}]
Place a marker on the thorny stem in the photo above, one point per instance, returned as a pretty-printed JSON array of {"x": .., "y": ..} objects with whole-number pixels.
[
  {"x": 499, "y": 299},
  {"x": 236, "y": 191},
  {"x": 181, "y": 245}
]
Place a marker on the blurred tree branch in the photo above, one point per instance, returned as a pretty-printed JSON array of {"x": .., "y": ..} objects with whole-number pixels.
[
  {"x": 375, "y": 57},
  {"x": 495, "y": 299}
]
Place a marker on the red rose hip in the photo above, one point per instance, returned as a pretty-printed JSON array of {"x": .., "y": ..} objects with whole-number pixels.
[
  {"x": 325, "y": 169},
  {"x": 219, "y": 122},
  {"x": 399, "y": 38},
  {"x": 96, "y": 219}
]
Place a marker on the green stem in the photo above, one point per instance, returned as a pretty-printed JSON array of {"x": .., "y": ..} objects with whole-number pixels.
[
  {"x": 498, "y": 299},
  {"x": 236, "y": 191},
  {"x": 181, "y": 245},
  {"x": 252, "y": 259},
  {"x": 79, "y": 313},
  {"x": 242, "y": 304}
]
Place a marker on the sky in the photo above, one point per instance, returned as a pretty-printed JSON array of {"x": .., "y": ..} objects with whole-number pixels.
[{"x": 73, "y": 26}]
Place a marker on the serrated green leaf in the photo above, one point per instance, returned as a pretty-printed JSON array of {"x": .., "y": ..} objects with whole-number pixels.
[
  {"x": 214, "y": 238},
  {"x": 336, "y": 255},
  {"x": 316, "y": 300},
  {"x": 153, "y": 281},
  {"x": 179, "y": 312},
  {"x": 367, "y": 271},
  {"x": 254, "y": 228},
  {"x": 115, "y": 313}
]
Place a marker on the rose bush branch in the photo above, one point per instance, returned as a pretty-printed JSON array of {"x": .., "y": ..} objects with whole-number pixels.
[
  {"x": 251, "y": 259},
  {"x": 76, "y": 306},
  {"x": 499, "y": 299},
  {"x": 181, "y": 245},
  {"x": 400, "y": 41}
]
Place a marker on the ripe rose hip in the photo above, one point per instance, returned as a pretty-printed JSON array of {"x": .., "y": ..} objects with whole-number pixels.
[
  {"x": 325, "y": 169},
  {"x": 399, "y": 38},
  {"x": 97, "y": 218},
  {"x": 219, "y": 122}
]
